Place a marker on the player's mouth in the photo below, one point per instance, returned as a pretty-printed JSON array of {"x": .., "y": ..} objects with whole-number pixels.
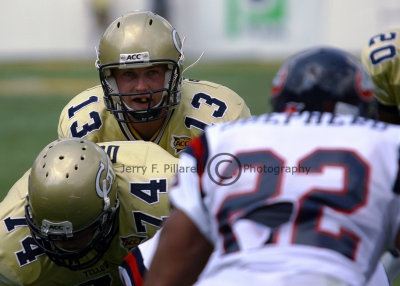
[
  {"x": 141, "y": 99},
  {"x": 139, "y": 102}
]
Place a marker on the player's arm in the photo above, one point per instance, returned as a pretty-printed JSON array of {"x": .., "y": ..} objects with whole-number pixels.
[{"x": 181, "y": 254}]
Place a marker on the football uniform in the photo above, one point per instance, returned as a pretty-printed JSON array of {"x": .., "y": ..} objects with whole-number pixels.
[
  {"x": 381, "y": 59},
  {"x": 303, "y": 198},
  {"x": 202, "y": 103},
  {"x": 143, "y": 174}
]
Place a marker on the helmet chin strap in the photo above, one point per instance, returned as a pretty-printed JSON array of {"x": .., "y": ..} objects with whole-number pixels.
[
  {"x": 111, "y": 83},
  {"x": 97, "y": 61},
  {"x": 105, "y": 196},
  {"x": 144, "y": 115}
]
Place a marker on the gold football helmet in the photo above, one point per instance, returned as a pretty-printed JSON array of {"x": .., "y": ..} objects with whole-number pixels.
[
  {"x": 72, "y": 202},
  {"x": 140, "y": 39}
]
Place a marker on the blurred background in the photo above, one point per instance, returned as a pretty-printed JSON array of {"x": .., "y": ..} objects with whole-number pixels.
[
  {"x": 47, "y": 52},
  {"x": 225, "y": 29}
]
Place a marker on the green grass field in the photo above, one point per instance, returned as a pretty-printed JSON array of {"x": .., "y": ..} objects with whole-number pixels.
[{"x": 33, "y": 94}]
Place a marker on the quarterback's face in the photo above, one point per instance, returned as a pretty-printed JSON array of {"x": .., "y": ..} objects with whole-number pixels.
[{"x": 141, "y": 80}]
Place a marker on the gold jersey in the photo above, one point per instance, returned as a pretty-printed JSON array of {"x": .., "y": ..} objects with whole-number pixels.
[
  {"x": 143, "y": 173},
  {"x": 380, "y": 56},
  {"x": 202, "y": 103}
]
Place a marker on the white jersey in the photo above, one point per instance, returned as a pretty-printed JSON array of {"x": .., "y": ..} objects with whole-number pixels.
[{"x": 294, "y": 194}]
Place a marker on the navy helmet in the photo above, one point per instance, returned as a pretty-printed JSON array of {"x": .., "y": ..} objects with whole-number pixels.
[{"x": 323, "y": 79}]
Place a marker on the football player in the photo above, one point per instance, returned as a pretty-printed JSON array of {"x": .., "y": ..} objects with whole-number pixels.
[
  {"x": 142, "y": 95},
  {"x": 73, "y": 217},
  {"x": 328, "y": 79},
  {"x": 318, "y": 79},
  {"x": 305, "y": 198},
  {"x": 380, "y": 56}
]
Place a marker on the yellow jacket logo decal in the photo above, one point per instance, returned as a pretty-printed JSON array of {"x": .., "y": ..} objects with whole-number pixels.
[
  {"x": 131, "y": 241},
  {"x": 179, "y": 143}
]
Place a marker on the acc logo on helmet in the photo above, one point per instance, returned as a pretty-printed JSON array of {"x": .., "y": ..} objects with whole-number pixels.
[{"x": 137, "y": 57}]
